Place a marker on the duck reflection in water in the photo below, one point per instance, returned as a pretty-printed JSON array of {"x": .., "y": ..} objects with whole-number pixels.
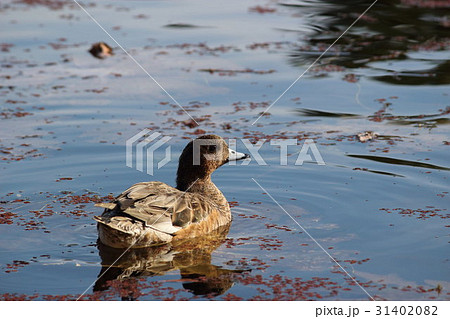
[{"x": 191, "y": 257}]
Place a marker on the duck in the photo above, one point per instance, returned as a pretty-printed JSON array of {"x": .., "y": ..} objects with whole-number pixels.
[{"x": 154, "y": 213}]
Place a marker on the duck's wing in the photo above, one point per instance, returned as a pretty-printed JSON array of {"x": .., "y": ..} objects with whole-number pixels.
[{"x": 161, "y": 206}]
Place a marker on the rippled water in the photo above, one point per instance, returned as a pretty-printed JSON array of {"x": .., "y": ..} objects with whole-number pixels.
[{"x": 379, "y": 208}]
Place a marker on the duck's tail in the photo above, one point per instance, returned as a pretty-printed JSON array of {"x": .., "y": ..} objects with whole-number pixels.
[{"x": 123, "y": 232}]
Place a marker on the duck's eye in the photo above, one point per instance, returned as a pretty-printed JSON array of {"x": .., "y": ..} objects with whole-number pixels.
[{"x": 212, "y": 148}]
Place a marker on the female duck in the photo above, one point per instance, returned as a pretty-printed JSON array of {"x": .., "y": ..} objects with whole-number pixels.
[{"x": 154, "y": 213}]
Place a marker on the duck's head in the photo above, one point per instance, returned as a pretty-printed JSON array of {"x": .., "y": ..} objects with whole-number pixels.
[{"x": 202, "y": 156}]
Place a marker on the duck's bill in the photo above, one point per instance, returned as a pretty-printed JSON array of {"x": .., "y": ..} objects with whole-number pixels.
[{"x": 236, "y": 156}]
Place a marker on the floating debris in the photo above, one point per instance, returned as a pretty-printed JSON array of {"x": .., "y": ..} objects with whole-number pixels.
[
  {"x": 366, "y": 136},
  {"x": 310, "y": 112},
  {"x": 223, "y": 72},
  {"x": 181, "y": 25},
  {"x": 101, "y": 50}
]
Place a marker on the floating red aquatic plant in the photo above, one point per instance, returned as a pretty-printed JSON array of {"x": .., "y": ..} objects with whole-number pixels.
[
  {"x": 16, "y": 264},
  {"x": 262, "y": 10},
  {"x": 427, "y": 3},
  {"x": 419, "y": 213}
]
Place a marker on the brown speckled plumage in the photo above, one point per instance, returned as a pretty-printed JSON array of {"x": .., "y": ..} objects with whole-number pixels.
[{"x": 154, "y": 213}]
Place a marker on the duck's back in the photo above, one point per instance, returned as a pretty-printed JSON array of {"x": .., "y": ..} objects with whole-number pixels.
[{"x": 153, "y": 213}]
